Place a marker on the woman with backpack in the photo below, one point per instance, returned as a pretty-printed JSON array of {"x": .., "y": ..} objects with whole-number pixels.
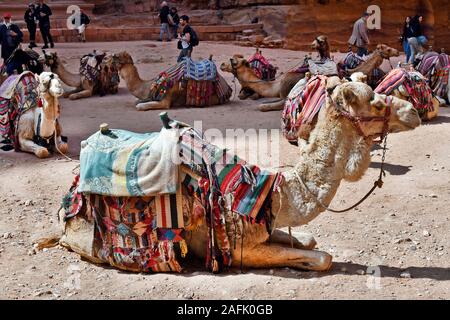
[{"x": 188, "y": 39}]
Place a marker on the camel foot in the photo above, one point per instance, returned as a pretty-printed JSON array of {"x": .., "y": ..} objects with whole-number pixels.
[
  {"x": 255, "y": 96},
  {"x": 151, "y": 106},
  {"x": 63, "y": 148},
  {"x": 42, "y": 153},
  {"x": 300, "y": 240}
]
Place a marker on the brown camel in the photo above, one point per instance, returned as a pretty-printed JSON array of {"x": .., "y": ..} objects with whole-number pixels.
[
  {"x": 323, "y": 48},
  {"x": 142, "y": 89},
  {"x": 85, "y": 88},
  {"x": 338, "y": 149}
]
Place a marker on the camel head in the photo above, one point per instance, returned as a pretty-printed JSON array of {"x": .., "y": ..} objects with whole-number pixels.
[
  {"x": 387, "y": 52},
  {"x": 122, "y": 58},
  {"x": 236, "y": 65},
  {"x": 50, "y": 59},
  {"x": 49, "y": 83},
  {"x": 358, "y": 101},
  {"x": 321, "y": 45}
]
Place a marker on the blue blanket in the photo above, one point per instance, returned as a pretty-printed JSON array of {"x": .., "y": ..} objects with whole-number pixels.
[
  {"x": 124, "y": 163},
  {"x": 199, "y": 70}
]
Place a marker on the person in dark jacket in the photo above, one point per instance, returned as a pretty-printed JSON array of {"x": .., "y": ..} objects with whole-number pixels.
[
  {"x": 176, "y": 21},
  {"x": 407, "y": 33},
  {"x": 163, "y": 17},
  {"x": 43, "y": 13},
  {"x": 10, "y": 38},
  {"x": 417, "y": 40},
  {"x": 30, "y": 20}
]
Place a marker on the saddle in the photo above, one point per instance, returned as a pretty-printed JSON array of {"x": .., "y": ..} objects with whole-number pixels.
[{"x": 262, "y": 67}]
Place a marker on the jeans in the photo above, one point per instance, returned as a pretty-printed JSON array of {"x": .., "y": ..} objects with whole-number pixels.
[
  {"x": 174, "y": 30},
  {"x": 362, "y": 51},
  {"x": 46, "y": 36},
  {"x": 32, "y": 31},
  {"x": 185, "y": 53},
  {"x": 407, "y": 50},
  {"x": 164, "y": 29},
  {"x": 415, "y": 47}
]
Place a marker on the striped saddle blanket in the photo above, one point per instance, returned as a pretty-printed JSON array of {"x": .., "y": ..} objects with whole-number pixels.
[
  {"x": 18, "y": 94},
  {"x": 414, "y": 83},
  {"x": 431, "y": 63},
  {"x": 262, "y": 67},
  {"x": 302, "y": 104},
  {"x": 440, "y": 82}
]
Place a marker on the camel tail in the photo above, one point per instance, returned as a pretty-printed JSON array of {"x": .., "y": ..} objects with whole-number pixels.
[
  {"x": 48, "y": 242},
  {"x": 272, "y": 106}
]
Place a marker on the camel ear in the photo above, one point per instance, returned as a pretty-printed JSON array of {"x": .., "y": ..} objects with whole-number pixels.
[
  {"x": 348, "y": 95},
  {"x": 245, "y": 63}
]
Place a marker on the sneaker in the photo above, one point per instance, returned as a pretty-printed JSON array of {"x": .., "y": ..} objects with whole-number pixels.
[
  {"x": 52, "y": 45},
  {"x": 45, "y": 47},
  {"x": 160, "y": 40}
]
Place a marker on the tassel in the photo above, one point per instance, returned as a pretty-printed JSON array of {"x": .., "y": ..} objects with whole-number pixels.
[
  {"x": 215, "y": 266},
  {"x": 184, "y": 248}
]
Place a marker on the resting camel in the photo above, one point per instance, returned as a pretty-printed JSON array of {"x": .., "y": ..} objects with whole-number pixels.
[
  {"x": 85, "y": 88},
  {"x": 142, "y": 89},
  {"x": 38, "y": 129},
  {"x": 338, "y": 149}
]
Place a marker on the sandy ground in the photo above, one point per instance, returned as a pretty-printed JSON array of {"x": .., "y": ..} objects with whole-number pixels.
[{"x": 401, "y": 234}]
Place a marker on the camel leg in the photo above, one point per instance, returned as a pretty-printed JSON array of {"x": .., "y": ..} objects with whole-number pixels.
[
  {"x": 69, "y": 93},
  {"x": 255, "y": 96},
  {"x": 82, "y": 94},
  {"x": 277, "y": 256},
  {"x": 61, "y": 146},
  {"x": 29, "y": 146},
  {"x": 272, "y": 106},
  {"x": 300, "y": 240},
  {"x": 151, "y": 105}
]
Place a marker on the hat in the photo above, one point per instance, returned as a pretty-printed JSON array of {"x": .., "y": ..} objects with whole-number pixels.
[{"x": 7, "y": 15}]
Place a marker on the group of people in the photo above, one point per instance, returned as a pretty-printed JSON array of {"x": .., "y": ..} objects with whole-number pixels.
[
  {"x": 38, "y": 14},
  {"x": 170, "y": 23},
  {"x": 413, "y": 38}
]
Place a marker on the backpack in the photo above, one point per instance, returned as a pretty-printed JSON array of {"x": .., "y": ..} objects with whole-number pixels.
[{"x": 194, "y": 38}]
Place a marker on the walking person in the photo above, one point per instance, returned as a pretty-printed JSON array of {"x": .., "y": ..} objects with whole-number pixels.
[
  {"x": 43, "y": 13},
  {"x": 407, "y": 33},
  {"x": 164, "y": 19},
  {"x": 30, "y": 20},
  {"x": 360, "y": 37},
  {"x": 176, "y": 21},
  {"x": 10, "y": 39},
  {"x": 188, "y": 39}
]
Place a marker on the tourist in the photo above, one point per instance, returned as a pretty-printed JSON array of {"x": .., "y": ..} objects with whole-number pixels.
[
  {"x": 43, "y": 13},
  {"x": 417, "y": 40},
  {"x": 176, "y": 21},
  {"x": 164, "y": 19},
  {"x": 407, "y": 33},
  {"x": 10, "y": 38},
  {"x": 188, "y": 38},
  {"x": 81, "y": 28},
  {"x": 30, "y": 20},
  {"x": 359, "y": 37}
]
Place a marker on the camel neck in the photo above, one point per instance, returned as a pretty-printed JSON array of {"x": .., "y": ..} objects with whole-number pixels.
[
  {"x": 71, "y": 79},
  {"x": 264, "y": 88},
  {"x": 49, "y": 113},
  {"x": 138, "y": 87},
  {"x": 335, "y": 152}
]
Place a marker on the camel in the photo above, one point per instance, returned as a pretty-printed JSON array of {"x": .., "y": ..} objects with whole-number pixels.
[
  {"x": 374, "y": 61},
  {"x": 323, "y": 48},
  {"x": 338, "y": 149},
  {"x": 175, "y": 96},
  {"x": 85, "y": 87},
  {"x": 38, "y": 129}
]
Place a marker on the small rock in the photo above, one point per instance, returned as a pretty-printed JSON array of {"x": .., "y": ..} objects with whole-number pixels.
[
  {"x": 405, "y": 275},
  {"x": 413, "y": 247},
  {"x": 426, "y": 233},
  {"x": 360, "y": 272},
  {"x": 433, "y": 195},
  {"x": 271, "y": 272},
  {"x": 7, "y": 235},
  {"x": 29, "y": 203}
]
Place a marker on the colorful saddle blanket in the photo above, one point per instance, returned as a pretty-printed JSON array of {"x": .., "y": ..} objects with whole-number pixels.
[
  {"x": 202, "y": 78},
  {"x": 432, "y": 62},
  {"x": 262, "y": 67},
  {"x": 415, "y": 84},
  {"x": 99, "y": 69},
  {"x": 18, "y": 95},
  {"x": 441, "y": 82},
  {"x": 302, "y": 104}
]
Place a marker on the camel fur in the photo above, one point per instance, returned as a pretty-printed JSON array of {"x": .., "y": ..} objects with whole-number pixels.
[
  {"x": 141, "y": 89},
  {"x": 335, "y": 152}
]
